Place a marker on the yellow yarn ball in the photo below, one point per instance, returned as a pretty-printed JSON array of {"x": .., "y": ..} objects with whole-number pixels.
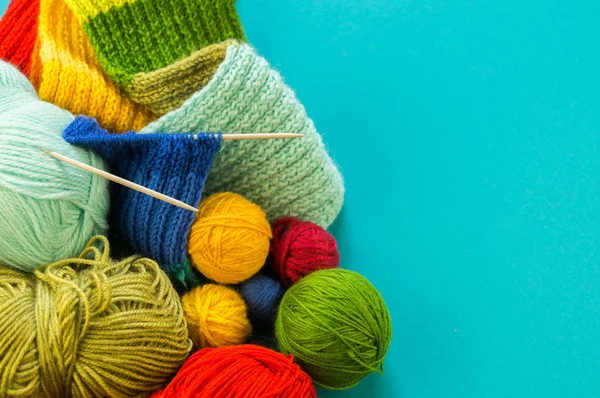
[
  {"x": 216, "y": 316},
  {"x": 229, "y": 241}
]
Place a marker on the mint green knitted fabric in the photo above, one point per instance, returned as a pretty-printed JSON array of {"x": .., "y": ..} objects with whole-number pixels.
[{"x": 284, "y": 177}]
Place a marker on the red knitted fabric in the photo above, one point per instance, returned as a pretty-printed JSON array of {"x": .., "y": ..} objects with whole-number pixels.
[
  {"x": 243, "y": 371},
  {"x": 299, "y": 248},
  {"x": 18, "y": 32}
]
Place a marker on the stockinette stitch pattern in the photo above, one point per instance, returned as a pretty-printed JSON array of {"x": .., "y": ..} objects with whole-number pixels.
[
  {"x": 66, "y": 72},
  {"x": 293, "y": 177},
  {"x": 160, "y": 52},
  {"x": 172, "y": 164},
  {"x": 18, "y": 31}
]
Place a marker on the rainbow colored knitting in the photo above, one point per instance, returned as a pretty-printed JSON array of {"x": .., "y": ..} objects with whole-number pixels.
[
  {"x": 159, "y": 51},
  {"x": 172, "y": 164}
]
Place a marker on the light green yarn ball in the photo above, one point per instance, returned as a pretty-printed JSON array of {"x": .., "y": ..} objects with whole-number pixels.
[
  {"x": 48, "y": 210},
  {"x": 336, "y": 325}
]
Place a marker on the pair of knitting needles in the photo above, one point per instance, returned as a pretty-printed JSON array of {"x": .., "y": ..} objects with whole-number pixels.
[{"x": 151, "y": 192}]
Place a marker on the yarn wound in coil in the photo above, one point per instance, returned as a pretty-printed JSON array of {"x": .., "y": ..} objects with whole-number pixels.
[
  {"x": 336, "y": 325},
  {"x": 66, "y": 72},
  {"x": 89, "y": 327},
  {"x": 172, "y": 164},
  {"x": 18, "y": 31},
  {"x": 216, "y": 316},
  {"x": 229, "y": 240},
  {"x": 50, "y": 210},
  {"x": 159, "y": 52},
  {"x": 299, "y": 248},
  {"x": 262, "y": 294},
  {"x": 245, "y": 371},
  {"x": 284, "y": 177}
]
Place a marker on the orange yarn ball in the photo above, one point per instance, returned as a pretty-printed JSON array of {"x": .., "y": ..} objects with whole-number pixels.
[
  {"x": 216, "y": 316},
  {"x": 229, "y": 241}
]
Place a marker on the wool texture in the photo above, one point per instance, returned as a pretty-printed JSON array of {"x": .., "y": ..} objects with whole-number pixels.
[
  {"x": 159, "y": 51},
  {"x": 245, "y": 371},
  {"x": 336, "y": 325},
  {"x": 173, "y": 164},
  {"x": 18, "y": 32},
  {"x": 216, "y": 316},
  {"x": 89, "y": 327},
  {"x": 229, "y": 240},
  {"x": 299, "y": 248},
  {"x": 66, "y": 73},
  {"x": 284, "y": 177},
  {"x": 184, "y": 276},
  {"x": 50, "y": 210},
  {"x": 262, "y": 295}
]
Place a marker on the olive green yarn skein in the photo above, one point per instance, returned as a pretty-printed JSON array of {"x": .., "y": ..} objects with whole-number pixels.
[
  {"x": 336, "y": 325},
  {"x": 89, "y": 327}
]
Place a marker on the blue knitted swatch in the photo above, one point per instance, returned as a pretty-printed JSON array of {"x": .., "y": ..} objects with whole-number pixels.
[{"x": 173, "y": 164}]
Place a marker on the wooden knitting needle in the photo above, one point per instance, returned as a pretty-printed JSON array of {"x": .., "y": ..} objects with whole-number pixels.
[
  {"x": 121, "y": 181},
  {"x": 151, "y": 192},
  {"x": 254, "y": 136}
]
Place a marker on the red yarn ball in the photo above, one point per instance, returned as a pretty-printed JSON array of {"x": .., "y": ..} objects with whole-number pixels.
[
  {"x": 239, "y": 371},
  {"x": 299, "y": 248}
]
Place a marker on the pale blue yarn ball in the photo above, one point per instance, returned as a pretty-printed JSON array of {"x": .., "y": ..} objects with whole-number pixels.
[{"x": 48, "y": 209}]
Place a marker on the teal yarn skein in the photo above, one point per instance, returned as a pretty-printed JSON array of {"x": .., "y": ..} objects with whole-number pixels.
[
  {"x": 336, "y": 325},
  {"x": 48, "y": 210}
]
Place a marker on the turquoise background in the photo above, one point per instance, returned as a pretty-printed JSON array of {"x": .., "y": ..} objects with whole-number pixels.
[{"x": 468, "y": 134}]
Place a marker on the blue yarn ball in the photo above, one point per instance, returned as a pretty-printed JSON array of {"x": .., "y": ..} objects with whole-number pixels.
[{"x": 262, "y": 295}]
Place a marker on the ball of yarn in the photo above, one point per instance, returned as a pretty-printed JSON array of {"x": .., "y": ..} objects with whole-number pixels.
[
  {"x": 229, "y": 241},
  {"x": 299, "y": 248},
  {"x": 245, "y": 371},
  {"x": 262, "y": 294},
  {"x": 337, "y": 326},
  {"x": 216, "y": 316},
  {"x": 90, "y": 327},
  {"x": 50, "y": 209}
]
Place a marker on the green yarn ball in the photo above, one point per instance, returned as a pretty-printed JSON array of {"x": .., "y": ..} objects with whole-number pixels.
[
  {"x": 49, "y": 210},
  {"x": 336, "y": 325}
]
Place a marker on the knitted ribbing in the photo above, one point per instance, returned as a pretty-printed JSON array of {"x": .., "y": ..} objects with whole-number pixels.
[
  {"x": 174, "y": 165},
  {"x": 18, "y": 30},
  {"x": 284, "y": 177},
  {"x": 67, "y": 73},
  {"x": 148, "y": 46},
  {"x": 168, "y": 88}
]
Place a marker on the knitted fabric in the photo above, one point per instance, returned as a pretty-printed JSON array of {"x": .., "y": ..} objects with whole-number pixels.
[
  {"x": 159, "y": 51},
  {"x": 172, "y": 164},
  {"x": 66, "y": 73},
  {"x": 284, "y": 177},
  {"x": 18, "y": 30}
]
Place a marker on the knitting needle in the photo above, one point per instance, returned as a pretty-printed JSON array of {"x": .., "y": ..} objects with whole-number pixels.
[
  {"x": 121, "y": 181},
  {"x": 255, "y": 136}
]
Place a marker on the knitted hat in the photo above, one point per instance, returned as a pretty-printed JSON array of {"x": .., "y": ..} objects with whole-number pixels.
[
  {"x": 172, "y": 164},
  {"x": 159, "y": 51},
  {"x": 284, "y": 177},
  {"x": 66, "y": 73},
  {"x": 18, "y": 29}
]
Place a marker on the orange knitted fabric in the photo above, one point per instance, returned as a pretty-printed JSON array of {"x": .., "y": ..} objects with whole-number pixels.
[{"x": 66, "y": 73}]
